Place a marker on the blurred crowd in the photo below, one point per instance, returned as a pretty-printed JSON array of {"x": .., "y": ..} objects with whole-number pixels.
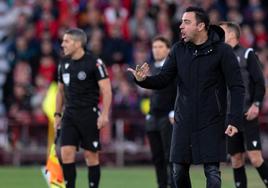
[{"x": 119, "y": 31}]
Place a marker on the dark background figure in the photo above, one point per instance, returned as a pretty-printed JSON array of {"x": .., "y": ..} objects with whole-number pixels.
[
  {"x": 158, "y": 127},
  {"x": 255, "y": 89}
]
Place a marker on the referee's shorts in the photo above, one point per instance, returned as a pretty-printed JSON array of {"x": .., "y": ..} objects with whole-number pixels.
[
  {"x": 246, "y": 140},
  {"x": 79, "y": 128}
]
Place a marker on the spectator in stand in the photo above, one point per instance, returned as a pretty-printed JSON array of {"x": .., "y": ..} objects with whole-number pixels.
[
  {"x": 252, "y": 6},
  {"x": 67, "y": 12},
  {"x": 141, "y": 20},
  {"x": 261, "y": 36},
  {"x": 125, "y": 93},
  {"x": 214, "y": 16},
  {"x": 47, "y": 23},
  {"x": 247, "y": 36},
  {"x": 163, "y": 25},
  {"x": 19, "y": 113},
  {"x": 95, "y": 44},
  {"x": 117, "y": 15},
  {"x": 235, "y": 15},
  {"x": 116, "y": 46},
  {"x": 22, "y": 73},
  {"x": 91, "y": 19},
  {"x": 37, "y": 98},
  {"x": 47, "y": 68},
  {"x": 20, "y": 49}
]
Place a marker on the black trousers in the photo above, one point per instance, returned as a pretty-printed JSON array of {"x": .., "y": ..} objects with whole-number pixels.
[
  {"x": 160, "y": 141},
  {"x": 182, "y": 180}
]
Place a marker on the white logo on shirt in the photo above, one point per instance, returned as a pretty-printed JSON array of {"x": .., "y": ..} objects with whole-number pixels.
[
  {"x": 237, "y": 184},
  {"x": 254, "y": 143},
  {"x": 81, "y": 75}
]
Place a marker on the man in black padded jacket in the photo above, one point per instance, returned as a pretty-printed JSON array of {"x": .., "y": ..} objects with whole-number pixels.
[{"x": 204, "y": 67}]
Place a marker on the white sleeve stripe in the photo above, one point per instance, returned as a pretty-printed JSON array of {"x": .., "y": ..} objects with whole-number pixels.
[
  {"x": 247, "y": 52},
  {"x": 99, "y": 61},
  {"x": 59, "y": 67},
  {"x": 101, "y": 71}
]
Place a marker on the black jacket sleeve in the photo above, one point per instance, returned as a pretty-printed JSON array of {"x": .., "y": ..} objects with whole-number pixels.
[
  {"x": 233, "y": 78},
  {"x": 167, "y": 74},
  {"x": 256, "y": 75}
]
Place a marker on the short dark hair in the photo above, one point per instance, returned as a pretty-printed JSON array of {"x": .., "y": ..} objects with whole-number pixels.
[
  {"x": 200, "y": 15},
  {"x": 234, "y": 27},
  {"x": 162, "y": 39},
  {"x": 78, "y": 34}
]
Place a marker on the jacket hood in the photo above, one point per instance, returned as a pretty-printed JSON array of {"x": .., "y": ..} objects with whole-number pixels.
[{"x": 215, "y": 33}]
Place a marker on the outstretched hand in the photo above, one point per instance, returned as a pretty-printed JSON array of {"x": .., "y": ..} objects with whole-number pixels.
[{"x": 141, "y": 71}]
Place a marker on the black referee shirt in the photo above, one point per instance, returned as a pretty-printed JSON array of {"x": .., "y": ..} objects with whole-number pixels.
[{"x": 80, "y": 78}]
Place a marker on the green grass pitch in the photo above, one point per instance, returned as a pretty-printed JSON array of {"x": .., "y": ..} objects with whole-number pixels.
[{"x": 127, "y": 177}]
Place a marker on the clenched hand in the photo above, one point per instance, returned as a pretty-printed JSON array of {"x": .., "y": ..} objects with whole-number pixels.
[{"x": 231, "y": 130}]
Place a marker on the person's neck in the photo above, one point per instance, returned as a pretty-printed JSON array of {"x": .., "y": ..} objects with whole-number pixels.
[
  {"x": 233, "y": 43},
  {"x": 79, "y": 53},
  {"x": 201, "y": 39},
  {"x": 159, "y": 63}
]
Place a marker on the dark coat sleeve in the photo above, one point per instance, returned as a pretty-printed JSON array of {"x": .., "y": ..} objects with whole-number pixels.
[
  {"x": 233, "y": 78},
  {"x": 256, "y": 75},
  {"x": 167, "y": 74}
]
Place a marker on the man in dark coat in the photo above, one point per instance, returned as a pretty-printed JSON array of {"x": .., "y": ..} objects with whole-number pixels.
[
  {"x": 204, "y": 66},
  {"x": 158, "y": 126}
]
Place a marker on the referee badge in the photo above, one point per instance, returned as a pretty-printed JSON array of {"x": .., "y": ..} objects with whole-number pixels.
[
  {"x": 81, "y": 75},
  {"x": 66, "y": 78}
]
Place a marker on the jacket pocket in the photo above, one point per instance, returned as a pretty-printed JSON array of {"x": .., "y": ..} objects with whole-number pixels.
[{"x": 218, "y": 100}]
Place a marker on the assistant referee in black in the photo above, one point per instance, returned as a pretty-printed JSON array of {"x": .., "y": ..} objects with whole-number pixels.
[
  {"x": 81, "y": 80},
  {"x": 247, "y": 141}
]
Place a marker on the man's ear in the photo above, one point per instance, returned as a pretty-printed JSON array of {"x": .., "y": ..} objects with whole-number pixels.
[
  {"x": 232, "y": 34},
  {"x": 77, "y": 44},
  {"x": 201, "y": 26}
]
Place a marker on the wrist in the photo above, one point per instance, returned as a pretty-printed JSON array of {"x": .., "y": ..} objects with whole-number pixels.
[
  {"x": 257, "y": 104},
  {"x": 57, "y": 114},
  {"x": 104, "y": 113},
  {"x": 140, "y": 79}
]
